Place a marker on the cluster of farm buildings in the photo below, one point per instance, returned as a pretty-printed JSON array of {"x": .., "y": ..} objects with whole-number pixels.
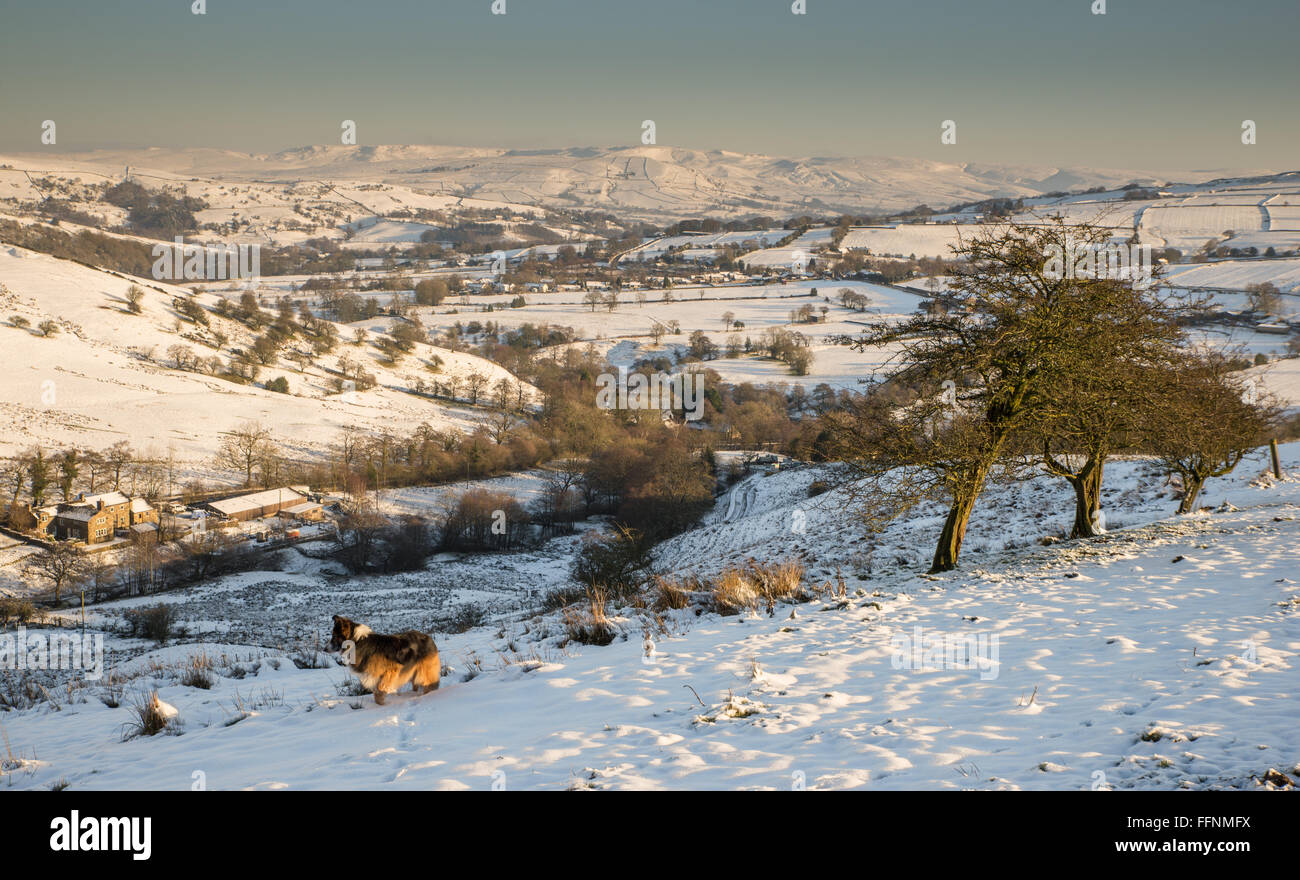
[{"x": 108, "y": 516}]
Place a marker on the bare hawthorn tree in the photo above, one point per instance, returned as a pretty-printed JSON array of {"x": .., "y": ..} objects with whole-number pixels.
[
  {"x": 13, "y": 473},
  {"x": 1091, "y": 411},
  {"x": 967, "y": 383},
  {"x": 1212, "y": 418}
]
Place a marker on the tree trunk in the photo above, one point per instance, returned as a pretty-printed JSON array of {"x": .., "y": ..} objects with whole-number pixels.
[
  {"x": 948, "y": 552},
  {"x": 1087, "y": 499},
  {"x": 1277, "y": 465},
  {"x": 1082, "y": 527},
  {"x": 1191, "y": 488}
]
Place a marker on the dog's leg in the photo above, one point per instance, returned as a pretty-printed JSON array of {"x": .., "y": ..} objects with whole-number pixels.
[
  {"x": 430, "y": 672},
  {"x": 415, "y": 686},
  {"x": 379, "y": 696}
]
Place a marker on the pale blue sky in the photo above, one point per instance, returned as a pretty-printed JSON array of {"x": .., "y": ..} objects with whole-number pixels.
[{"x": 1153, "y": 83}]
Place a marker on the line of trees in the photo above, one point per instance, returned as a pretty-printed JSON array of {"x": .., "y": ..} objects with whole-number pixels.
[
  {"x": 1037, "y": 372},
  {"x": 145, "y": 566},
  {"x": 45, "y": 477}
]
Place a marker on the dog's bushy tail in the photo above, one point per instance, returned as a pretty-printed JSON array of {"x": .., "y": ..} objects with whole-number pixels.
[{"x": 412, "y": 646}]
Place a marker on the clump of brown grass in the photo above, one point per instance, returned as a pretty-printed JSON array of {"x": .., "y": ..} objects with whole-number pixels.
[
  {"x": 779, "y": 581},
  {"x": 733, "y": 593},
  {"x": 198, "y": 672},
  {"x": 757, "y": 584},
  {"x": 147, "y": 718},
  {"x": 588, "y": 623},
  {"x": 670, "y": 593},
  {"x": 111, "y": 690}
]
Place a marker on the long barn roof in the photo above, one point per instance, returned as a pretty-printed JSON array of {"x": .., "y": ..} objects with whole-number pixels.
[{"x": 256, "y": 501}]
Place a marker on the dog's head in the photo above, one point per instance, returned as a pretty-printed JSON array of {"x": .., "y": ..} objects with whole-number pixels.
[{"x": 343, "y": 630}]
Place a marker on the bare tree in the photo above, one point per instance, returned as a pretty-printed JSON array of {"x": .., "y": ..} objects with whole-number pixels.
[
  {"x": 13, "y": 472},
  {"x": 134, "y": 296},
  {"x": 501, "y": 394},
  {"x": 243, "y": 448},
  {"x": 99, "y": 576},
  {"x": 475, "y": 382},
  {"x": 92, "y": 465},
  {"x": 964, "y": 385},
  {"x": 117, "y": 457},
  {"x": 182, "y": 356},
  {"x": 1264, "y": 297},
  {"x": 450, "y": 385},
  {"x": 62, "y": 565},
  {"x": 142, "y": 569},
  {"x": 1210, "y": 419},
  {"x": 501, "y": 425}
]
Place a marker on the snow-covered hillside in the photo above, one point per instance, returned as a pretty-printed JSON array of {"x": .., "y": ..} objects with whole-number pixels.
[
  {"x": 1165, "y": 653},
  {"x": 106, "y": 375}
]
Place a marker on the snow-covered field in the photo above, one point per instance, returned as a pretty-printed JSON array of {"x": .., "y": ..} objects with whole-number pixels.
[
  {"x": 1162, "y": 654},
  {"x": 626, "y": 330},
  {"x": 798, "y": 251},
  {"x": 702, "y": 246},
  {"x": 905, "y": 240},
  {"x": 1237, "y": 274},
  {"x": 1248, "y": 343},
  {"x": 432, "y": 501}
]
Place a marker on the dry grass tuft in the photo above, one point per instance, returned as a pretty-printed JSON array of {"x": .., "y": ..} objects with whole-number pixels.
[
  {"x": 589, "y": 623},
  {"x": 198, "y": 672},
  {"x": 758, "y": 584},
  {"x": 148, "y": 718},
  {"x": 669, "y": 594}
]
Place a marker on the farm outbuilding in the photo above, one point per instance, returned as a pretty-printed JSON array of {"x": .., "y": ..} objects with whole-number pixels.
[
  {"x": 255, "y": 505},
  {"x": 308, "y": 511}
]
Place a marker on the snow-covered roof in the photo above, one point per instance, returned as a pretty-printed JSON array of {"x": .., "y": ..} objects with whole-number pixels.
[
  {"x": 106, "y": 498},
  {"x": 80, "y": 513},
  {"x": 139, "y": 505},
  {"x": 255, "y": 501}
]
